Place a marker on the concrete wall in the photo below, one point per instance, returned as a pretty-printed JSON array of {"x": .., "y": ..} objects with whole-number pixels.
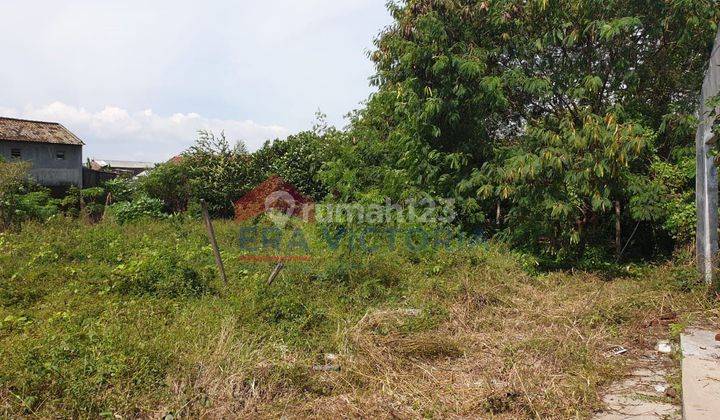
[{"x": 47, "y": 169}]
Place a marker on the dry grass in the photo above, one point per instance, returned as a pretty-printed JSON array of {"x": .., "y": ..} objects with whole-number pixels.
[
  {"x": 510, "y": 346},
  {"x": 236, "y": 379},
  {"x": 466, "y": 333}
]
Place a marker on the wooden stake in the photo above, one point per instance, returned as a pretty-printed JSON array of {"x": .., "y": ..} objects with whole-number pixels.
[
  {"x": 213, "y": 241},
  {"x": 108, "y": 201},
  {"x": 618, "y": 229},
  {"x": 82, "y": 215},
  {"x": 280, "y": 265}
]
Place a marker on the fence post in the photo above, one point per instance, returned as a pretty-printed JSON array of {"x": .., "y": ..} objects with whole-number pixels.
[{"x": 213, "y": 241}]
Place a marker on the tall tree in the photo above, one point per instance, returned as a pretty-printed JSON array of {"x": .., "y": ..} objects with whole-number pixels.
[{"x": 538, "y": 112}]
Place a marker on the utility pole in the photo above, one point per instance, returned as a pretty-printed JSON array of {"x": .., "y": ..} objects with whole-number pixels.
[{"x": 706, "y": 184}]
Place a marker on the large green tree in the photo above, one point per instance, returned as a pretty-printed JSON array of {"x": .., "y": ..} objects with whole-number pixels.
[{"x": 540, "y": 114}]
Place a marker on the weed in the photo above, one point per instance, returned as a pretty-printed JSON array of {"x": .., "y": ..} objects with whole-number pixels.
[{"x": 131, "y": 320}]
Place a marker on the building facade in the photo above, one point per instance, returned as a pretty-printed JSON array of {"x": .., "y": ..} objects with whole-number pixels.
[{"x": 53, "y": 151}]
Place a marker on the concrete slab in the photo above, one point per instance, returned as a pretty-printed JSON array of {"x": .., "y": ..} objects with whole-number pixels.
[
  {"x": 641, "y": 396},
  {"x": 636, "y": 407},
  {"x": 700, "y": 374}
]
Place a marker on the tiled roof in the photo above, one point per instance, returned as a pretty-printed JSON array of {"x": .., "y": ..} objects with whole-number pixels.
[{"x": 12, "y": 129}]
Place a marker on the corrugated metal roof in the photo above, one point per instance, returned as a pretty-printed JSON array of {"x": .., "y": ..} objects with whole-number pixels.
[
  {"x": 123, "y": 164},
  {"x": 13, "y": 129}
]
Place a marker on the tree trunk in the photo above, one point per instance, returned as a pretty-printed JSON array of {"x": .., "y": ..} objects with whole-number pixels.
[{"x": 582, "y": 243}]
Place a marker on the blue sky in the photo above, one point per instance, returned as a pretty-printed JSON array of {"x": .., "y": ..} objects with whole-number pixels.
[{"x": 137, "y": 79}]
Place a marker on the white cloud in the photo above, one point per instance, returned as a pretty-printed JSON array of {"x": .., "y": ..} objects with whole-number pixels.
[
  {"x": 121, "y": 70},
  {"x": 116, "y": 133},
  {"x": 270, "y": 61}
]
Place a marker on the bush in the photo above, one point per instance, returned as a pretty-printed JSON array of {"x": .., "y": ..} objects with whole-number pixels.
[
  {"x": 122, "y": 189},
  {"x": 300, "y": 158},
  {"x": 168, "y": 182},
  {"x": 21, "y": 199},
  {"x": 139, "y": 208},
  {"x": 218, "y": 172},
  {"x": 160, "y": 272},
  {"x": 12, "y": 184},
  {"x": 37, "y": 205}
]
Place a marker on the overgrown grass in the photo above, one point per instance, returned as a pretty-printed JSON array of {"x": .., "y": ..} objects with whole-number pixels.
[{"x": 132, "y": 320}]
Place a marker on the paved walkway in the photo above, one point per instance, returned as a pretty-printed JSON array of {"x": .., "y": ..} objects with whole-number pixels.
[
  {"x": 645, "y": 394},
  {"x": 700, "y": 374}
]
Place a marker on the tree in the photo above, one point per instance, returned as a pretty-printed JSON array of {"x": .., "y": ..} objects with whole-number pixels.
[
  {"x": 537, "y": 111},
  {"x": 218, "y": 172},
  {"x": 300, "y": 158}
]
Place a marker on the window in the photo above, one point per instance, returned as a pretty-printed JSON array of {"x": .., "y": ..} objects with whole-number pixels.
[
  {"x": 15, "y": 153},
  {"x": 60, "y": 155}
]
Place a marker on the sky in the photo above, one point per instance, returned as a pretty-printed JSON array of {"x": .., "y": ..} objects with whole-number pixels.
[{"x": 137, "y": 79}]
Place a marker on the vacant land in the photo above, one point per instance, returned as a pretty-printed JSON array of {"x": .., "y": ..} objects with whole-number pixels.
[{"x": 132, "y": 321}]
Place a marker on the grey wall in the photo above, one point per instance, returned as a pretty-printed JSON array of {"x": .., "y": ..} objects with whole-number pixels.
[{"x": 46, "y": 168}]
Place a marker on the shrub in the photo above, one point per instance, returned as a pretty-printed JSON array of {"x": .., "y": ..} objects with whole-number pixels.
[
  {"x": 218, "y": 172},
  {"x": 168, "y": 182},
  {"x": 13, "y": 177},
  {"x": 20, "y": 198},
  {"x": 160, "y": 272},
  {"x": 299, "y": 158},
  {"x": 139, "y": 208},
  {"x": 37, "y": 205},
  {"x": 122, "y": 189}
]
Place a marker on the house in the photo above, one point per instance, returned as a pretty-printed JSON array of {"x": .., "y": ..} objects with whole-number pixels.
[
  {"x": 176, "y": 160},
  {"x": 54, "y": 152},
  {"x": 121, "y": 167}
]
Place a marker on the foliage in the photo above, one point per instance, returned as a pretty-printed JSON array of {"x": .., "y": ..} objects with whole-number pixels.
[
  {"x": 20, "y": 198},
  {"x": 121, "y": 189},
  {"x": 37, "y": 205},
  {"x": 490, "y": 103},
  {"x": 299, "y": 158},
  {"x": 218, "y": 172},
  {"x": 159, "y": 270},
  {"x": 168, "y": 182},
  {"x": 667, "y": 195},
  {"x": 13, "y": 177},
  {"x": 139, "y": 208},
  {"x": 565, "y": 179}
]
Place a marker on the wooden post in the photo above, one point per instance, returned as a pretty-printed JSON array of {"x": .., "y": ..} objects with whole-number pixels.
[
  {"x": 82, "y": 216},
  {"x": 213, "y": 241},
  {"x": 618, "y": 229},
  {"x": 280, "y": 265},
  {"x": 108, "y": 201},
  {"x": 706, "y": 182}
]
